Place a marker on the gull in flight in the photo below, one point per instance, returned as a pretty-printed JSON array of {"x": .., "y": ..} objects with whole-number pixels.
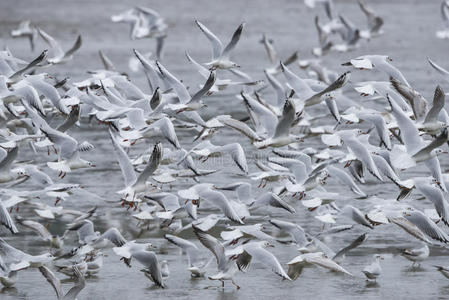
[
  {"x": 297, "y": 264},
  {"x": 26, "y": 29},
  {"x": 17, "y": 260},
  {"x": 206, "y": 191},
  {"x": 42, "y": 231},
  {"x": 197, "y": 267},
  {"x": 206, "y": 149},
  {"x": 226, "y": 266},
  {"x": 444, "y": 33},
  {"x": 282, "y": 136},
  {"x": 220, "y": 54},
  {"x": 257, "y": 250},
  {"x": 87, "y": 235},
  {"x": 379, "y": 62},
  {"x": 59, "y": 56},
  {"x": 135, "y": 184},
  {"x": 54, "y": 281}
]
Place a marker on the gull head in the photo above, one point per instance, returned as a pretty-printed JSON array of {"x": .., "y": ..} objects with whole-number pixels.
[
  {"x": 150, "y": 247},
  {"x": 378, "y": 257}
]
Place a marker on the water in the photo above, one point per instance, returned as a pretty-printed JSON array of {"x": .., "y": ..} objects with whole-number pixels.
[{"x": 409, "y": 39}]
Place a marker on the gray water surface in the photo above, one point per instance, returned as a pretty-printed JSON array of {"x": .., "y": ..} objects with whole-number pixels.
[{"x": 409, "y": 38}]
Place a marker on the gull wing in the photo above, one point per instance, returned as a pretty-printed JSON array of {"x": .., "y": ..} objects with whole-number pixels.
[
  {"x": 234, "y": 40},
  {"x": 125, "y": 164},
  {"x": 286, "y": 121},
  {"x": 217, "y": 45}
]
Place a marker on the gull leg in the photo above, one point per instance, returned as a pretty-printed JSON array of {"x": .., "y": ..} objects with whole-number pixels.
[
  {"x": 222, "y": 284},
  {"x": 233, "y": 282}
]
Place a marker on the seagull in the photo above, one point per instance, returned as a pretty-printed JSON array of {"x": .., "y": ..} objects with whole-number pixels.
[
  {"x": 26, "y": 29},
  {"x": 152, "y": 266},
  {"x": 381, "y": 128},
  {"x": 257, "y": 250},
  {"x": 206, "y": 149},
  {"x": 415, "y": 99},
  {"x": 307, "y": 94},
  {"x": 354, "y": 144},
  {"x": 145, "y": 23},
  {"x": 6, "y": 173},
  {"x": 69, "y": 151},
  {"x": 296, "y": 265},
  {"x": 243, "y": 190},
  {"x": 42, "y": 231},
  {"x": 282, "y": 136},
  {"x": 416, "y": 149},
  {"x": 197, "y": 267},
  {"x": 134, "y": 184},
  {"x": 226, "y": 266},
  {"x": 436, "y": 196},
  {"x": 431, "y": 125},
  {"x": 162, "y": 127},
  {"x": 17, "y": 259},
  {"x": 416, "y": 255},
  {"x": 6, "y": 220},
  {"x": 345, "y": 179},
  {"x": 354, "y": 214},
  {"x": 59, "y": 55},
  {"x": 220, "y": 84},
  {"x": 426, "y": 225},
  {"x": 410, "y": 228},
  {"x": 220, "y": 55},
  {"x": 186, "y": 101},
  {"x": 151, "y": 24},
  {"x": 444, "y": 34},
  {"x": 46, "y": 89},
  {"x": 205, "y": 191},
  {"x": 295, "y": 231},
  {"x": 87, "y": 235},
  {"x": 373, "y": 270},
  {"x": 56, "y": 283},
  {"x": 374, "y": 21},
  {"x": 339, "y": 256},
  {"x": 379, "y": 62},
  {"x": 253, "y": 231},
  {"x": 126, "y": 250}
]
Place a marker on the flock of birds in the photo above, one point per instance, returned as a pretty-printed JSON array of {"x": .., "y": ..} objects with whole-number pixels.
[{"x": 301, "y": 132}]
